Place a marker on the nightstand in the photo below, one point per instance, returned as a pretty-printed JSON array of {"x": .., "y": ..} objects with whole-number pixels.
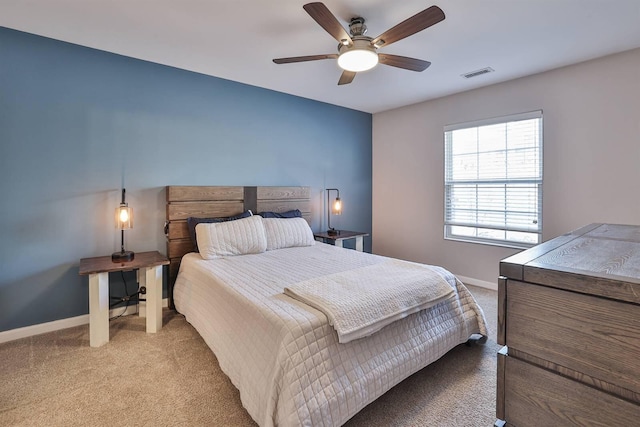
[
  {"x": 149, "y": 267},
  {"x": 337, "y": 239}
]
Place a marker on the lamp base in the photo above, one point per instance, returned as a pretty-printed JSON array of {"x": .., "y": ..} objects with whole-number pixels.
[
  {"x": 123, "y": 256},
  {"x": 333, "y": 232}
]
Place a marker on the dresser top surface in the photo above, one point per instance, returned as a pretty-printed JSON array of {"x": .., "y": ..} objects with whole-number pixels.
[
  {"x": 610, "y": 252},
  {"x": 608, "y": 249}
]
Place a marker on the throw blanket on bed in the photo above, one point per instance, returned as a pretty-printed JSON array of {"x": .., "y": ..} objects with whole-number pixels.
[{"x": 362, "y": 301}]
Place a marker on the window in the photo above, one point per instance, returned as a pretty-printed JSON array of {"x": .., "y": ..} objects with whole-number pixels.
[{"x": 493, "y": 181}]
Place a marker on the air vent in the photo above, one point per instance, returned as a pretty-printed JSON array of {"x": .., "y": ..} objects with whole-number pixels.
[{"x": 478, "y": 72}]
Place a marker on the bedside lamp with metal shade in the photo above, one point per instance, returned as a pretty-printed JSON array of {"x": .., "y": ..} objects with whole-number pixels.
[
  {"x": 124, "y": 221},
  {"x": 334, "y": 208}
]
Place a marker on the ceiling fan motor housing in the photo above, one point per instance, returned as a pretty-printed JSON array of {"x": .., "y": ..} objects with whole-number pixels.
[
  {"x": 359, "y": 42},
  {"x": 357, "y": 27}
]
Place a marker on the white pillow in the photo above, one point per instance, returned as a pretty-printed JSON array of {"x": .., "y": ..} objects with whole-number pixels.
[
  {"x": 287, "y": 233},
  {"x": 239, "y": 237}
]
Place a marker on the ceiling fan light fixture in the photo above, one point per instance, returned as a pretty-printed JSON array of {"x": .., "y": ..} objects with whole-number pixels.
[
  {"x": 357, "y": 60},
  {"x": 360, "y": 56}
]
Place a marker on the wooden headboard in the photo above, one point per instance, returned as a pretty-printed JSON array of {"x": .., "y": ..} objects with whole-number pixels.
[{"x": 219, "y": 201}]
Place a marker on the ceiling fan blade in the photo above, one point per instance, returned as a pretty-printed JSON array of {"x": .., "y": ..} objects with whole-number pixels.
[
  {"x": 304, "y": 58},
  {"x": 403, "y": 62},
  {"x": 346, "y": 77},
  {"x": 410, "y": 26},
  {"x": 328, "y": 21}
]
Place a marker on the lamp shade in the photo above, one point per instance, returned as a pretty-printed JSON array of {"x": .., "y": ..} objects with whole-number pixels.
[
  {"x": 124, "y": 217},
  {"x": 336, "y": 207}
]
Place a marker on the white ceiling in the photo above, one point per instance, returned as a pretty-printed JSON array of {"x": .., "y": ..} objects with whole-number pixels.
[{"x": 237, "y": 39}]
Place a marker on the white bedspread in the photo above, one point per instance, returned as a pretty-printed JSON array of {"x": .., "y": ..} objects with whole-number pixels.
[
  {"x": 362, "y": 301},
  {"x": 284, "y": 357}
]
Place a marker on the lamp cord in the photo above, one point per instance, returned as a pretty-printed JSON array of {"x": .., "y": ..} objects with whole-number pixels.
[{"x": 126, "y": 293}]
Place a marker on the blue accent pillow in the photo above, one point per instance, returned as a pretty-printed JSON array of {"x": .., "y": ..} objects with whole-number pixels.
[
  {"x": 288, "y": 214},
  {"x": 193, "y": 221}
]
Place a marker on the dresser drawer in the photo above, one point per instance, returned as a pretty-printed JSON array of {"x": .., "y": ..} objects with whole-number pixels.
[
  {"x": 595, "y": 336},
  {"x": 536, "y": 397}
]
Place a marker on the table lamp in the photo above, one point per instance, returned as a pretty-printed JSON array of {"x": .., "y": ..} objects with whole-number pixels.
[
  {"x": 124, "y": 221},
  {"x": 334, "y": 208}
]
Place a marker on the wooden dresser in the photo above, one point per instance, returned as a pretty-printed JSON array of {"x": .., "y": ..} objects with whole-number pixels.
[{"x": 569, "y": 321}]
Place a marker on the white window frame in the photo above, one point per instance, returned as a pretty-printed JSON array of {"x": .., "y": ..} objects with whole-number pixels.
[{"x": 533, "y": 230}]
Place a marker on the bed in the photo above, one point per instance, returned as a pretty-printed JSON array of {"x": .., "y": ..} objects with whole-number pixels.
[{"x": 282, "y": 354}]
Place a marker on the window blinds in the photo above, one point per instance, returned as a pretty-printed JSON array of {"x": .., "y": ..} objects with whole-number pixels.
[{"x": 493, "y": 180}]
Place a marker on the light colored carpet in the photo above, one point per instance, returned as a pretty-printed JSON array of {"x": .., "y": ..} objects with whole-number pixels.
[{"x": 172, "y": 379}]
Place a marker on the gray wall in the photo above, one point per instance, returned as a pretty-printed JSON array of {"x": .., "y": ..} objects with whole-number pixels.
[
  {"x": 591, "y": 159},
  {"x": 76, "y": 124}
]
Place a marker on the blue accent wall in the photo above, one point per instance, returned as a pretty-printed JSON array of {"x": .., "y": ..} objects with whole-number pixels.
[{"x": 77, "y": 124}]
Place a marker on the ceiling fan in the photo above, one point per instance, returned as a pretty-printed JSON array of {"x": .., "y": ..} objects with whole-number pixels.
[{"x": 359, "y": 52}]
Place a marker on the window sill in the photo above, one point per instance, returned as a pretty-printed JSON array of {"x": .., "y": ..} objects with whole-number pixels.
[{"x": 502, "y": 244}]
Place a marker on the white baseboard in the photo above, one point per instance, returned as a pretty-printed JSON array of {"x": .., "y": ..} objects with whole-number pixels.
[
  {"x": 475, "y": 282},
  {"x": 56, "y": 325}
]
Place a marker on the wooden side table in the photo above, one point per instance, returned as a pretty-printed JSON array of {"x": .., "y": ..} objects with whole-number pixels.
[
  {"x": 149, "y": 266},
  {"x": 338, "y": 239}
]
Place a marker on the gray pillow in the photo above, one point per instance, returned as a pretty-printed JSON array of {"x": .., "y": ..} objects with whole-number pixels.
[{"x": 288, "y": 214}]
